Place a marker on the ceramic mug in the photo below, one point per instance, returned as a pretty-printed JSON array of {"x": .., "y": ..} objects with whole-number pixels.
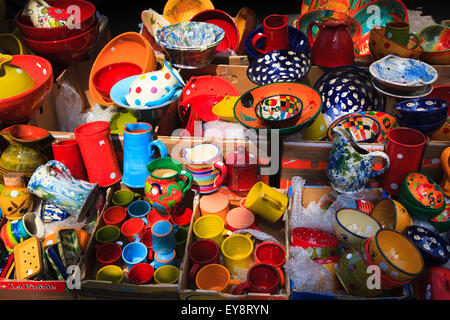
[
  {"x": 107, "y": 234},
  {"x": 216, "y": 203},
  {"x": 163, "y": 237},
  {"x": 115, "y": 216},
  {"x": 154, "y": 216},
  {"x": 261, "y": 278},
  {"x": 142, "y": 273},
  {"x": 181, "y": 235},
  {"x": 267, "y": 202},
  {"x": 271, "y": 253},
  {"x": 275, "y": 34},
  {"x": 240, "y": 218},
  {"x": 237, "y": 252},
  {"x": 210, "y": 227},
  {"x": 132, "y": 229},
  {"x": 33, "y": 225},
  {"x": 215, "y": 277},
  {"x": 109, "y": 253},
  {"x": 139, "y": 209},
  {"x": 68, "y": 153},
  {"x": 110, "y": 273},
  {"x": 164, "y": 259},
  {"x": 167, "y": 275},
  {"x": 398, "y": 31},
  {"x": 134, "y": 253},
  {"x": 124, "y": 197},
  {"x": 201, "y": 253}
]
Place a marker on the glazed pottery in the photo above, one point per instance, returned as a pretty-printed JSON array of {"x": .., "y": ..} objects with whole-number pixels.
[
  {"x": 216, "y": 203},
  {"x": 333, "y": 38},
  {"x": 166, "y": 275},
  {"x": 435, "y": 44},
  {"x": 398, "y": 31},
  {"x": 387, "y": 123},
  {"x": 115, "y": 216},
  {"x": 240, "y": 218},
  {"x": 215, "y": 277},
  {"x": 246, "y": 22},
  {"x": 181, "y": 236},
  {"x": 323, "y": 245},
  {"x": 242, "y": 170},
  {"x": 352, "y": 227},
  {"x": 279, "y": 111},
  {"x": 267, "y": 202},
  {"x": 42, "y": 15},
  {"x": 201, "y": 253},
  {"x": 331, "y": 264},
  {"x": 210, "y": 227},
  {"x": 419, "y": 213},
  {"x": 15, "y": 200},
  {"x": 275, "y": 34},
  {"x": 422, "y": 191},
  {"x": 434, "y": 249},
  {"x": 349, "y": 166},
  {"x": 442, "y": 221},
  {"x": 96, "y": 147},
  {"x": 404, "y": 148},
  {"x": 28, "y": 259},
  {"x": 134, "y": 253},
  {"x": 180, "y": 11},
  {"x": 166, "y": 184},
  {"x": 204, "y": 163},
  {"x": 20, "y": 108},
  {"x": 445, "y": 162},
  {"x": 237, "y": 252},
  {"x": 317, "y": 130},
  {"x": 402, "y": 74},
  {"x": 161, "y": 259},
  {"x": 124, "y": 197},
  {"x": 224, "y": 108},
  {"x": 280, "y": 65},
  {"x": 139, "y": 149},
  {"x": 133, "y": 229},
  {"x": 29, "y": 147},
  {"x": 361, "y": 128},
  {"x": 107, "y": 234},
  {"x": 426, "y": 129},
  {"x": 271, "y": 253},
  {"x": 139, "y": 209},
  {"x": 18, "y": 79},
  {"x": 443, "y": 133},
  {"x": 68, "y": 153},
  {"x": 392, "y": 215},
  {"x": 163, "y": 237},
  {"x": 152, "y": 21},
  {"x": 142, "y": 273},
  {"x": 415, "y": 93},
  {"x": 261, "y": 278},
  {"x": 421, "y": 111},
  {"x": 108, "y": 254},
  {"x": 62, "y": 189},
  {"x": 398, "y": 258}
]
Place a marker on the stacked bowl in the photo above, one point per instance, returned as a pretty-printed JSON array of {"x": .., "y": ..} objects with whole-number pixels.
[
  {"x": 66, "y": 44},
  {"x": 435, "y": 42}
]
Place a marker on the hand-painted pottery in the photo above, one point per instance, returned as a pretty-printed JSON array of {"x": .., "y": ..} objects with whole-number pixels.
[
  {"x": 352, "y": 227},
  {"x": 152, "y": 21},
  {"x": 445, "y": 163},
  {"x": 435, "y": 42},
  {"x": 346, "y": 7},
  {"x": 434, "y": 248},
  {"x": 396, "y": 255},
  {"x": 246, "y": 22},
  {"x": 402, "y": 74},
  {"x": 281, "y": 65},
  {"x": 51, "y": 213},
  {"x": 426, "y": 129},
  {"x": 13, "y": 80},
  {"x": 386, "y": 121},
  {"x": 421, "y": 111},
  {"x": 324, "y": 245},
  {"x": 181, "y": 11},
  {"x": 361, "y": 128},
  {"x": 244, "y": 110},
  {"x": 279, "y": 111},
  {"x": 388, "y": 91},
  {"x": 349, "y": 166},
  {"x": 392, "y": 215},
  {"x": 42, "y": 15},
  {"x": 419, "y": 213},
  {"x": 422, "y": 191},
  {"x": 15, "y": 200},
  {"x": 442, "y": 221}
]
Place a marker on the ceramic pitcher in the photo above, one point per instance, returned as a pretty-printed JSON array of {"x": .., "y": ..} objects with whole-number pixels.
[
  {"x": 138, "y": 151},
  {"x": 350, "y": 166},
  {"x": 61, "y": 189}
]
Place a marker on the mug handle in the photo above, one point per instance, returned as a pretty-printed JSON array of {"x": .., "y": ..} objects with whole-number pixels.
[
  {"x": 272, "y": 200},
  {"x": 241, "y": 288},
  {"x": 223, "y": 173},
  {"x": 161, "y": 147},
  {"x": 193, "y": 271},
  {"x": 189, "y": 177},
  {"x": 386, "y": 166},
  {"x": 309, "y": 33},
  {"x": 255, "y": 39},
  {"x": 417, "y": 40}
]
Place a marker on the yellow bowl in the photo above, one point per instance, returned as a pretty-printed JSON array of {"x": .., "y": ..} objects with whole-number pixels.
[
  {"x": 10, "y": 44},
  {"x": 13, "y": 80},
  {"x": 396, "y": 255},
  {"x": 392, "y": 215}
]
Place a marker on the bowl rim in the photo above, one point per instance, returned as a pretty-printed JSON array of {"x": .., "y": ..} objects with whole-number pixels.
[
  {"x": 347, "y": 117},
  {"x": 445, "y": 243},
  {"x": 259, "y": 103},
  {"x": 394, "y": 205},
  {"x": 405, "y": 187},
  {"x": 401, "y": 103},
  {"x": 360, "y": 212},
  {"x": 433, "y": 26}
]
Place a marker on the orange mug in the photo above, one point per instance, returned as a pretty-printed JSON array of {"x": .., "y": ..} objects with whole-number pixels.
[
  {"x": 215, "y": 277},
  {"x": 216, "y": 203}
]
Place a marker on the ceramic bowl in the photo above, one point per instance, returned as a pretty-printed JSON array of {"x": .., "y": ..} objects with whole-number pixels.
[
  {"x": 363, "y": 129},
  {"x": 324, "y": 245},
  {"x": 418, "y": 212},
  {"x": 152, "y": 21},
  {"x": 21, "y": 108},
  {"x": 426, "y": 129},
  {"x": 398, "y": 258},
  {"x": 442, "y": 221},
  {"x": 381, "y": 46},
  {"x": 279, "y": 111},
  {"x": 280, "y": 65},
  {"x": 10, "y": 44},
  {"x": 14, "y": 80},
  {"x": 65, "y": 51},
  {"x": 386, "y": 121},
  {"x": 183, "y": 10},
  {"x": 297, "y": 42},
  {"x": 352, "y": 227},
  {"x": 435, "y": 42},
  {"x": 421, "y": 111},
  {"x": 392, "y": 215},
  {"x": 421, "y": 191},
  {"x": 402, "y": 74},
  {"x": 87, "y": 20},
  {"x": 434, "y": 248},
  {"x": 106, "y": 77}
]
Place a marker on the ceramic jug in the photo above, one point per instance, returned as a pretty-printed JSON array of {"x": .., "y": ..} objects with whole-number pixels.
[
  {"x": 349, "y": 166},
  {"x": 15, "y": 200},
  {"x": 61, "y": 189},
  {"x": 333, "y": 46},
  {"x": 28, "y": 148},
  {"x": 445, "y": 161}
]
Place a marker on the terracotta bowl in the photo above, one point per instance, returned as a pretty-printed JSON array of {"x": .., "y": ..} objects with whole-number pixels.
[
  {"x": 392, "y": 215},
  {"x": 352, "y": 227},
  {"x": 421, "y": 191},
  {"x": 436, "y": 44},
  {"x": 398, "y": 258}
]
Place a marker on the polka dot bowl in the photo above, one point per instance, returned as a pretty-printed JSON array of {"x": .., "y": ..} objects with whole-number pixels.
[
  {"x": 398, "y": 258},
  {"x": 323, "y": 245},
  {"x": 421, "y": 111},
  {"x": 434, "y": 249}
]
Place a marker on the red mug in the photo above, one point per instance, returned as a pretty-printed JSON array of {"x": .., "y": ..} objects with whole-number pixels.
[
  {"x": 201, "y": 253},
  {"x": 115, "y": 216},
  {"x": 147, "y": 240},
  {"x": 243, "y": 170},
  {"x": 68, "y": 153},
  {"x": 109, "y": 253},
  {"x": 261, "y": 278},
  {"x": 132, "y": 229},
  {"x": 141, "y": 273},
  {"x": 271, "y": 253},
  {"x": 154, "y": 216},
  {"x": 404, "y": 147},
  {"x": 275, "y": 33}
]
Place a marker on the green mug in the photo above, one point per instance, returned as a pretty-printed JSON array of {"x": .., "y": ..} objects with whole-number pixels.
[
  {"x": 398, "y": 31},
  {"x": 124, "y": 197}
]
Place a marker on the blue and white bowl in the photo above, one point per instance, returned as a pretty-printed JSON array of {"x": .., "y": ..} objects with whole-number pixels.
[
  {"x": 434, "y": 248},
  {"x": 426, "y": 129},
  {"x": 421, "y": 111}
]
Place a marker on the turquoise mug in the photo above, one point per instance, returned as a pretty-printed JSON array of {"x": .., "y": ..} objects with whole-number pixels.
[
  {"x": 164, "y": 259},
  {"x": 134, "y": 253},
  {"x": 139, "y": 209},
  {"x": 163, "y": 237}
]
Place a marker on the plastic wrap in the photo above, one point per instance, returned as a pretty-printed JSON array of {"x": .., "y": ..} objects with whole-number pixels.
[
  {"x": 260, "y": 235},
  {"x": 223, "y": 129}
]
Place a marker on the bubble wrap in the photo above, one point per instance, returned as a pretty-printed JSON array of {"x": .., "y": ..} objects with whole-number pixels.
[
  {"x": 223, "y": 129},
  {"x": 260, "y": 235},
  {"x": 69, "y": 223}
]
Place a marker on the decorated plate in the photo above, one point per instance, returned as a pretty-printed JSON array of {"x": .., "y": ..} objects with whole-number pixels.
[{"x": 425, "y": 190}]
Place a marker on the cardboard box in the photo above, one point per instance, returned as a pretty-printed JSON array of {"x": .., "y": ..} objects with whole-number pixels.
[
  {"x": 278, "y": 230},
  {"x": 314, "y": 194}
]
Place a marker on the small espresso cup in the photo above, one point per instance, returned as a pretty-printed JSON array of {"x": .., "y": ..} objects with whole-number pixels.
[
  {"x": 124, "y": 197},
  {"x": 215, "y": 277},
  {"x": 398, "y": 31},
  {"x": 201, "y": 253},
  {"x": 261, "y": 278}
]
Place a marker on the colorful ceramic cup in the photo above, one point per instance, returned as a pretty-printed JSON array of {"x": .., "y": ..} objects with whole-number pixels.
[
  {"x": 132, "y": 229},
  {"x": 271, "y": 253},
  {"x": 163, "y": 237},
  {"x": 237, "y": 252},
  {"x": 398, "y": 31},
  {"x": 154, "y": 216},
  {"x": 216, "y": 203},
  {"x": 242, "y": 170},
  {"x": 164, "y": 259},
  {"x": 392, "y": 215},
  {"x": 267, "y": 202},
  {"x": 201, "y": 253},
  {"x": 134, "y": 253},
  {"x": 109, "y": 253},
  {"x": 215, "y": 277},
  {"x": 68, "y": 153},
  {"x": 33, "y": 225},
  {"x": 210, "y": 227},
  {"x": 115, "y": 216},
  {"x": 275, "y": 34},
  {"x": 166, "y": 275},
  {"x": 240, "y": 218},
  {"x": 147, "y": 239},
  {"x": 110, "y": 273},
  {"x": 139, "y": 209},
  {"x": 124, "y": 197},
  {"x": 261, "y": 278},
  {"x": 142, "y": 273},
  {"x": 107, "y": 234}
]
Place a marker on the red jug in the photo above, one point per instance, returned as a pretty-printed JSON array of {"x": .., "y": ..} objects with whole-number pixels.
[{"x": 333, "y": 46}]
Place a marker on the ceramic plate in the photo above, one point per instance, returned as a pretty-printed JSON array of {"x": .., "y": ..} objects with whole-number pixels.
[
  {"x": 311, "y": 100},
  {"x": 422, "y": 92}
]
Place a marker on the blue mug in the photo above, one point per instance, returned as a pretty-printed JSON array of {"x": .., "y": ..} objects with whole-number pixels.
[
  {"x": 139, "y": 209},
  {"x": 134, "y": 253},
  {"x": 163, "y": 237},
  {"x": 164, "y": 259}
]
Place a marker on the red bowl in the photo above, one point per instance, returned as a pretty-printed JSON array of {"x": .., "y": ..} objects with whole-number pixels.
[
  {"x": 87, "y": 20},
  {"x": 66, "y": 51},
  {"x": 21, "y": 108},
  {"x": 105, "y": 78},
  {"x": 312, "y": 238}
]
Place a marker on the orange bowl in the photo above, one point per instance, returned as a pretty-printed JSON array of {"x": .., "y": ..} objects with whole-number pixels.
[{"x": 392, "y": 215}]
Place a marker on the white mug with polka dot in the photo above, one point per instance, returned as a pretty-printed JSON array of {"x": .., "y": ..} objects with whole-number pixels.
[{"x": 154, "y": 88}]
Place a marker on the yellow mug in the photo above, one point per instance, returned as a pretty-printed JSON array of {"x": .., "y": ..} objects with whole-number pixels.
[
  {"x": 210, "y": 227},
  {"x": 237, "y": 252},
  {"x": 111, "y": 273},
  {"x": 167, "y": 274},
  {"x": 267, "y": 202}
]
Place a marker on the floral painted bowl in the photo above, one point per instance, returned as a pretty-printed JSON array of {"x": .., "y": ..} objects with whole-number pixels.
[
  {"x": 442, "y": 221},
  {"x": 279, "y": 66},
  {"x": 436, "y": 45},
  {"x": 421, "y": 111},
  {"x": 434, "y": 248},
  {"x": 279, "y": 111},
  {"x": 324, "y": 245},
  {"x": 421, "y": 191},
  {"x": 361, "y": 128},
  {"x": 392, "y": 215},
  {"x": 402, "y": 74}
]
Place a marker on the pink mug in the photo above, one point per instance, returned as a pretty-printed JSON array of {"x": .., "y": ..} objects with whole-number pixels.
[{"x": 275, "y": 33}]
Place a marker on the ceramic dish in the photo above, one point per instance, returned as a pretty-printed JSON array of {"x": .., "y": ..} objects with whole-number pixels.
[
  {"x": 363, "y": 129},
  {"x": 244, "y": 109},
  {"x": 416, "y": 212},
  {"x": 392, "y": 215},
  {"x": 434, "y": 248},
  {"x": 421, "y": 111},
  {"x": 386, "y": 121},
  {"x": 402, "y": 74},
  {"x": 436, "y": 44},
  {"x": 442, "y": 221},
  {"x": 279, "y": 111},
  {"x": 419, "y": 93},
  {"x": 279, "y": 66},
  {"x": 426, "y": 129},
  {"x": 420, "y": 190},
  {"x": 183, "y": 10}
]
